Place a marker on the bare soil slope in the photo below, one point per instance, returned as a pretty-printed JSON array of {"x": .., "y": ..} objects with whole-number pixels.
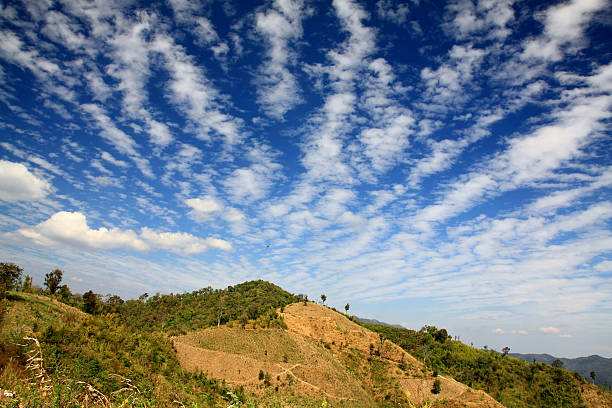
[
  {"x": 387, "y": 367},
  {"x": 290, "y": 363},
  {"x": 322, "y": 355}
]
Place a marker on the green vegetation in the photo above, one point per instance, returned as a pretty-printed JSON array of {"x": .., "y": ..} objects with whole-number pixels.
[
  {"x": 178, "y": 314},
  {"x": 10, "y": 275},
  {"x": 513, "y": 382},
  {"x": 594, "y": 368},
  {"x": 71, "y": 350},
  {"x": 53, "y": 280},
  {"x": 93, "y": 358},
  {"x": 117, "y": 352}
]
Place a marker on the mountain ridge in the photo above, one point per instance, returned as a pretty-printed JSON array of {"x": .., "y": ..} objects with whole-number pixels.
[{"x": 601, "y": 366}]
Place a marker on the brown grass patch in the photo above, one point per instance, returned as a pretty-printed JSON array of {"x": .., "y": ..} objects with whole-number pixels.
[
  {"x": 294, "y": 364},
  {"x": 321, "y": 355}
]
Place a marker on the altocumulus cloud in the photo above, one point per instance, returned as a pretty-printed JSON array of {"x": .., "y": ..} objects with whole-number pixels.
[{"x": 71, "y": 228}]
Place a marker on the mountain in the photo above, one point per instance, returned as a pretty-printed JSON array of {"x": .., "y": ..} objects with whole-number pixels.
[
  {"x": 252, "y": 345},
  {"x": 582, "y": 365},
  {"x": 374, "y": 321}
]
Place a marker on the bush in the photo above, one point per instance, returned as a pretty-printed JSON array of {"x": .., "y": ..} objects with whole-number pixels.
[{"x": 436, "y": 387}]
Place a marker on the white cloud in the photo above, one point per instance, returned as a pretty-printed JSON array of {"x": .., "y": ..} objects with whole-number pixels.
[
  {"x": 71, "y": 228},
  {"x": 488, "y": 17},
  {"x": 252, "y": 183},
  {"x": 109, "y": 158},
  {"x": 190, "y": 89},
  {"x": 246, "y": 184},
  {"x": 207, "y": 208},
  {"x": 564, "y": 25},
  {"x": 182, "y": 243},
  {"x": 131, "y": 69},
  {"x": 555, "y": 330},
  {"x": 528, "y": 159},
  {"x": 13, "y": 50},
  {"x": 278, "y": 89},
  {"x": 384, "y": 145},
  {"x": 446, "y": 84},
  {"x": 17, "y": 183},
  {"x": 502, "y": 331},
  {"x": 118, "y": 138},
  {"x": 396, "y": 13},
  {"x": 204, "y": 205}
]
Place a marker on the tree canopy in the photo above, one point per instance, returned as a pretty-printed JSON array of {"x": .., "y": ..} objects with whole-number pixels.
[{"x": 10, "y": 276}]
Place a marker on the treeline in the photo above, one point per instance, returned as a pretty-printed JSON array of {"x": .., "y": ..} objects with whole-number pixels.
[
  {"x": 513, "y": 382},
  {"x": 180, "y": 313},
  {"x": 170, "y": 313}
]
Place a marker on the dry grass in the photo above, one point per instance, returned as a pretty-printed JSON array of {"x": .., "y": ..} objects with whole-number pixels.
[
  {"x": 595, "y": 397},
  {"x": 293, "y": 364},
  {"x": 321, "y": 355},
  {"x": 383, "y": 374}
]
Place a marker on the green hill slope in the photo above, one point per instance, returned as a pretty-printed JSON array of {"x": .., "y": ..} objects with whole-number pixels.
[
  {"x": 601, "y": 366},
  {"x": 180, "y": 313},
  {"x": 513, "y": 382},
  {"x": 89, "y": 360}
]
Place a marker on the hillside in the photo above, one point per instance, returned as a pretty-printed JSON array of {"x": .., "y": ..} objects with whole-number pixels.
[
  {"x": 602, "y": 367},
  {"x": 54, "y": 355},
  {"x": 180, "y": 313},
  {"x": 321, "y": 356},
  {"x": 513, "y": 382},
  {"x": 249, "y": 345}
]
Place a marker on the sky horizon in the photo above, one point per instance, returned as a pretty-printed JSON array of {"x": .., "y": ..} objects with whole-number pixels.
[{"x": 440, "y": 163}]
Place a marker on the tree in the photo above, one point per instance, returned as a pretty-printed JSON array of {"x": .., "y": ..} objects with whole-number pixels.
[
  {"x": 557, "y": 363},
  {"x": 27, "y": 284},
  {"x": 219, "y": 315},
  {"x": 505, "y": 351},
  {"x": 592, "y": 375},
  {"x": 323, "y": 298},
  {"x": 53, "y": 280},
  {"x": 90, "y": 302},
  {"x": 243, "y": 319},
  {"x": 113, "y": 303},
  {"x": 347, "y": 307},
  {"x": 10, "y": 276},
  {"x": 64, "y": 292}
]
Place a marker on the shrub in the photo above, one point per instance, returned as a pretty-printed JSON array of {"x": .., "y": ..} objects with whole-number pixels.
[{"x": 436, "y": 387}]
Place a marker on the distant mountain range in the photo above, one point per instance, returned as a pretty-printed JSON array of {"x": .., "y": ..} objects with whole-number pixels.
[
  {"x": 582, "y": 365},
  {"x": 374, "y": 321}
]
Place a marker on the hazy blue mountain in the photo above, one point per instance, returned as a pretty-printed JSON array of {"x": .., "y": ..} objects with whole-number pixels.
[
  {"x": 582, "y": 365},
  {"x": 374, "y": 321}
]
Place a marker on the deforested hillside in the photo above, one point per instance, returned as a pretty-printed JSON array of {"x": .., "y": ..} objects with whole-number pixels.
[{"x": 321, "y": 356}]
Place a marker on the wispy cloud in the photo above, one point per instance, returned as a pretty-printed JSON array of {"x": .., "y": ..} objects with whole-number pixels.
[{"x": 280, "y": 26}]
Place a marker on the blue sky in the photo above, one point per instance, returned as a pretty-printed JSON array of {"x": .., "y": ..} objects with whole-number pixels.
[{"x": 427, "y": 162}]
